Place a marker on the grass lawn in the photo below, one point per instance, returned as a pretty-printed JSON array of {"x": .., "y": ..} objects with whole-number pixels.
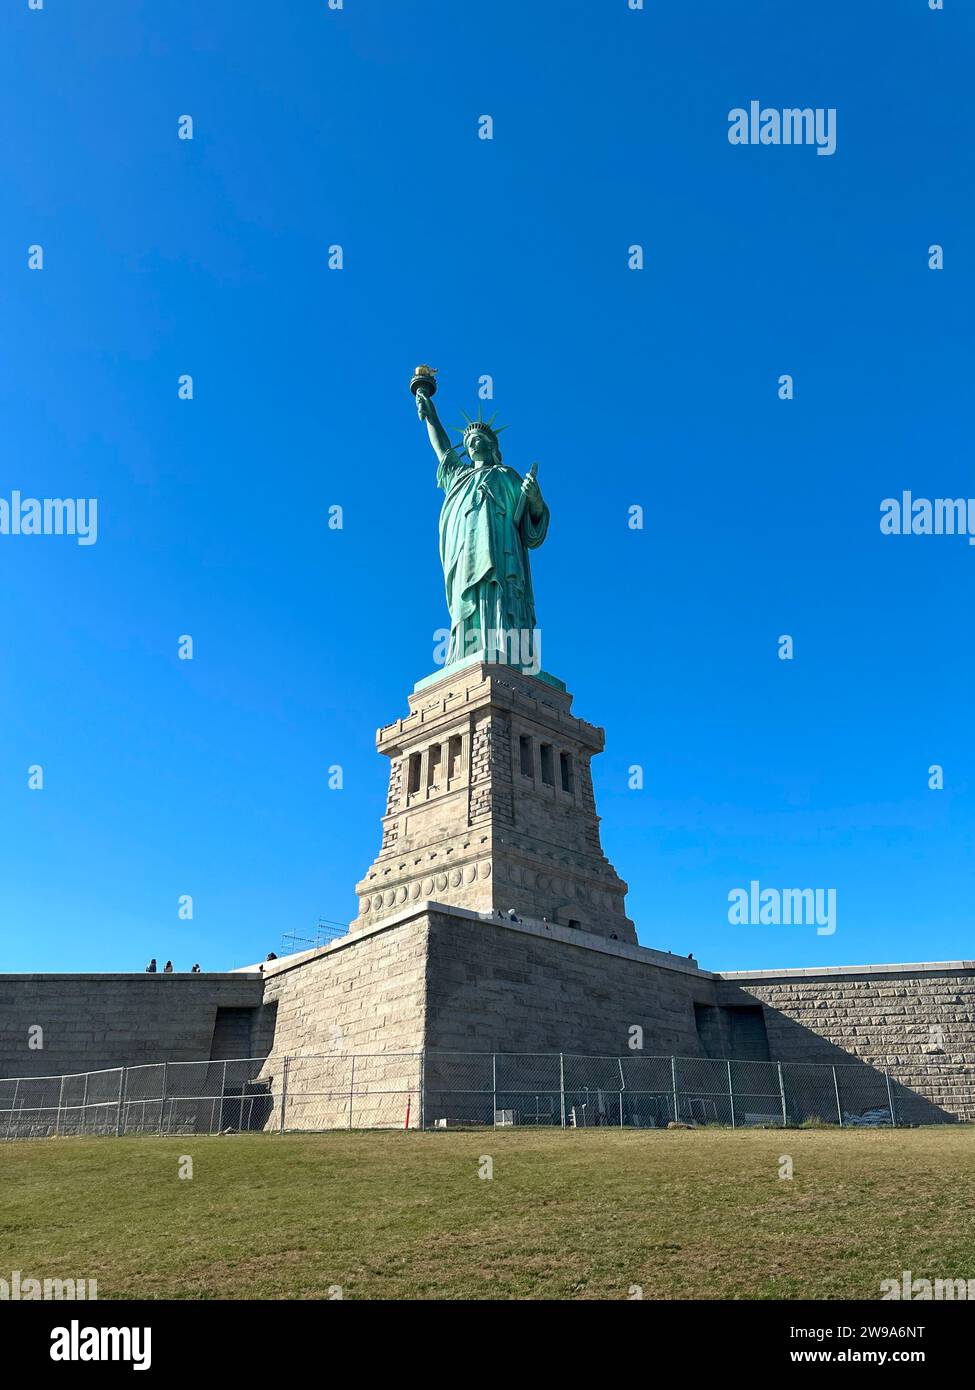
[{"x": 582, "y": 1214}]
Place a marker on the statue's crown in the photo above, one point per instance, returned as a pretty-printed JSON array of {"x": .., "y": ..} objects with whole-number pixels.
[{"x": 481, "y": 426}]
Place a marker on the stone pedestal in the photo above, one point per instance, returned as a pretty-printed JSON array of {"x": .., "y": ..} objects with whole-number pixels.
[{"x": 490, "y": 806}]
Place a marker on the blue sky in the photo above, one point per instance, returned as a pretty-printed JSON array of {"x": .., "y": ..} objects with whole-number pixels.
[{"x": 655, "y": 387}]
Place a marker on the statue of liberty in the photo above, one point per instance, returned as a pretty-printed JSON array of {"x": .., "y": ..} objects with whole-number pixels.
[{"x": 490, "y": 519}]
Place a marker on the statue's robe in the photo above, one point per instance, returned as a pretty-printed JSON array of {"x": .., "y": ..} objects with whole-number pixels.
[{"x": 485, "y": 559}]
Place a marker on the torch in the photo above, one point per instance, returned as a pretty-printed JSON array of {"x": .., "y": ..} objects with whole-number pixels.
[{"x": 424, "y": 380}]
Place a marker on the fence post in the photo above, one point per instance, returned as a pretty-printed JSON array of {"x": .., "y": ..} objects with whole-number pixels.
[
  {"x": 890, "y": 1100},
  {"x": 562, "y": 1087},
  {"x": 423, "y": 1088},
  {"x": 351, "y": 1089},
  {"x": 673, "y": 1083},
  {"x": 57, "y": 1122},
  {"x": 121, "y": 1092},
  {"x": 162, "y": 1098},
  {"x": 622, "y": 1088},
  {"x": 223, "y": 1092},
  {"x": 13, "y": 1105},
  {"x": 839, "y": 1108},
  {"x": 785, "y": 1118},
  {"x": 84, "y": 1102},
  {"x": 731, "y": 1095},
  {"x": 494, "y": 1086},
  {"x": 284, "y": 1092}
]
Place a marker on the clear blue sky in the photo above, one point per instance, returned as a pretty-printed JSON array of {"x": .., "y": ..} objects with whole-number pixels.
[{"x": 658, "y": 387}]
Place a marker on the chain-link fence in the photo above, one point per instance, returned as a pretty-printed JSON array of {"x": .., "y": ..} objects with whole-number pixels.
[
  {"x": 436, "y": 1090},
  {"x": 652, "y": 1092},
  {"x": 162, "y": 1098}
]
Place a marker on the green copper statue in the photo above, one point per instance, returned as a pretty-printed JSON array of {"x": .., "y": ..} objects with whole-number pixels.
[{"x": 490, "y": 519}]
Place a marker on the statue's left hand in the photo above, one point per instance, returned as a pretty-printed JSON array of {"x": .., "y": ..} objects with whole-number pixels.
[{"x": 533, "y": 494}]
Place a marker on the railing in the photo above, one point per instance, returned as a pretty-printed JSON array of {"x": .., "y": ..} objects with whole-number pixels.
[{"x": 445, "y": 1089}]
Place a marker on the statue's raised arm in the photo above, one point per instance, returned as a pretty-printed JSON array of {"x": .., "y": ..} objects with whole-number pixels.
[{"x": 423, "y": 385}]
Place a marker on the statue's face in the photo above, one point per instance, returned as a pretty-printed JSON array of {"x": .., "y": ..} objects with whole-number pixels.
[{"x": 480, "y": 447}]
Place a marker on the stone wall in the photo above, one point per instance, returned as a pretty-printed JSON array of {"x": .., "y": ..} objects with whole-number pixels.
[
  {"x": 448, "y": 979},
  {"x": 361, "y": 995},
  {"x": 91, "y": 1022},
  {"x": 522, "y": 988},
  {"x": 917, "y": 1021}
]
